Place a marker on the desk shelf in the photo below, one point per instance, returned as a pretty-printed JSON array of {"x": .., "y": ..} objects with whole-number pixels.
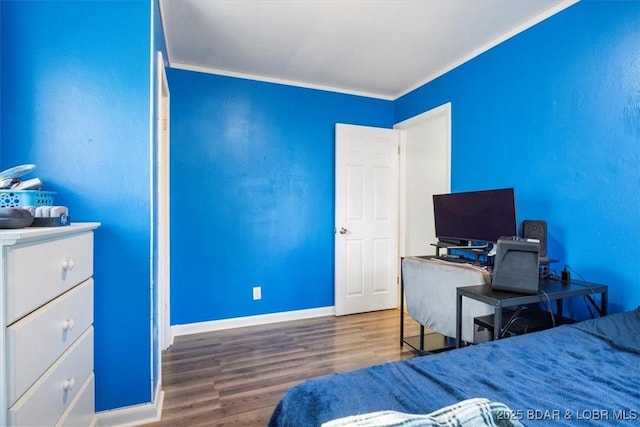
[
  {"x": 476, "y": 251},
  {"x": 526, "y": 321}
]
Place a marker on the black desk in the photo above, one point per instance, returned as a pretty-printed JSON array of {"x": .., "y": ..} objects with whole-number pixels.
[{"x": 550, "y": 289}]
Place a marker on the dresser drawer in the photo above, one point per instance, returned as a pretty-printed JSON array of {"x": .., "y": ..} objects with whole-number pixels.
[
  {"x": 82, "y": 410},
  {"x": 48, "y": 399},
  {"x": 36, "y": 273},
  {"x": 37, "y": 340}
]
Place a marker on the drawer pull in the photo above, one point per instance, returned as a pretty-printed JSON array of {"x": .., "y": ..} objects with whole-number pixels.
[
  {"x": 68, "y": 325},
  {"x": 68, "y": 384},
  {"x": 67, "y": 264}
]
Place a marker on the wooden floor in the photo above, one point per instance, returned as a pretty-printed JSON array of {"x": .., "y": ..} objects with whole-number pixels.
[{"x": 236, "y": 377}]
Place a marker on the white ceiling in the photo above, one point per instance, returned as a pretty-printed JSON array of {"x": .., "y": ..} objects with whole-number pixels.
[{"x": 379, "y": 48}]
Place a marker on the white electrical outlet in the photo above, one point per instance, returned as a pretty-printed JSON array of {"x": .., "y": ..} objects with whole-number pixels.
[{"x": 257, "y": 293}]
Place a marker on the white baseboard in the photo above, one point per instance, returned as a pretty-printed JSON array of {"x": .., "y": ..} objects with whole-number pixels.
[
  {"x": 239, "y": 322},
  {"x": 135, "y": 415}
]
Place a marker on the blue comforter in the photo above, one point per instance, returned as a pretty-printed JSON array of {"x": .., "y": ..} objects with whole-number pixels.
[{"x": 588, "y": 372}]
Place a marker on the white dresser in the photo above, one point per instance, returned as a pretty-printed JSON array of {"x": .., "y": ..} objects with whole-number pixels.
[{"x": 46, "y": 315}]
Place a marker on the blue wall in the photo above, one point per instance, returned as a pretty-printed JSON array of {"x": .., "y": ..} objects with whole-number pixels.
[
  {"x": 75, "y": 101},
  {"x": 252, "y": 193},
  {"x": 540, "y": 112},
  {"x": 555, "y": 113}
]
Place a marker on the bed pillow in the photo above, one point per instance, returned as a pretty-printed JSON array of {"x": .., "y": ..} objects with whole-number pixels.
[{"x": 475, "y": 412}]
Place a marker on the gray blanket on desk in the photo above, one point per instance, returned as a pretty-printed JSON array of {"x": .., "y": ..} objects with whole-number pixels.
[{"x": 430, "y": 291}]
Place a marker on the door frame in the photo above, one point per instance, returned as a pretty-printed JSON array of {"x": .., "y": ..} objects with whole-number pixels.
[{"x": 162, "y": 191}]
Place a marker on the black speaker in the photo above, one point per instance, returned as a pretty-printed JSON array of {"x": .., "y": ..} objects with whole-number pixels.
[{"x": 536, "y": 229}]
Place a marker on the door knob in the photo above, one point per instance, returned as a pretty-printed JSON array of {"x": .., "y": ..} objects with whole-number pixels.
[{"x": 343, "y": 230}]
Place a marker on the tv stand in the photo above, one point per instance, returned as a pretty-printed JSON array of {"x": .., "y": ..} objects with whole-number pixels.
[
  {"x": 477, "y": 251},
  {"x": 484, "y": 250}
]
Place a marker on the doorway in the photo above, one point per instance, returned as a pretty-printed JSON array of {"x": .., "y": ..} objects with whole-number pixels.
[{"x": 425, "y": 170}]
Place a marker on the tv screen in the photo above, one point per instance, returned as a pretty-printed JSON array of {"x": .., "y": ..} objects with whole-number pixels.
[{"x": 482, "y": 216}]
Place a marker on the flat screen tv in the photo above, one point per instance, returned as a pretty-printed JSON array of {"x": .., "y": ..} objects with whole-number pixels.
[{"x": 485, "y": 216}]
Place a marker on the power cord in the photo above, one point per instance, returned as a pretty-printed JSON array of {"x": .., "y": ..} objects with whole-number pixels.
[
  {"x": 515, "y": 316},
  {"x": 525, "y": 328},
  {"x": 587, "y": 298},
  {"x": 553, "y": 318}
]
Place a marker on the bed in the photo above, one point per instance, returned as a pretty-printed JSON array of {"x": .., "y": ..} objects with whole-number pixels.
[{"x": 587, "y": 372}]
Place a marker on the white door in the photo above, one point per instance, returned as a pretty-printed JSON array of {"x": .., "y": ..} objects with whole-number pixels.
[
  {"x": 366, "y": 219},
  {"x": 425, "y": 159}
]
